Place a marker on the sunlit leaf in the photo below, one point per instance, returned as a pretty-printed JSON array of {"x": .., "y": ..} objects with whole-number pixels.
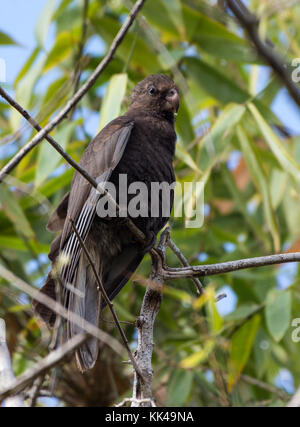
[
  {"x": 6, "y": 39},
  {"x": 283, "y": 156},
  {"x": 260, "y": 178},
  {"x": 48, "y": 157},
  {"x": 11, "y": 208},
  {"x": 241, "y": 346},
  {"x": 114, "y": 95},
  {"x": 43, "y": 22},
  {"x": 278, "y": 312}
]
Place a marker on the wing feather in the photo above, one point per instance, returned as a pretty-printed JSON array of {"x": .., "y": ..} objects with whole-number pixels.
[{"x": 100, "y": 159}]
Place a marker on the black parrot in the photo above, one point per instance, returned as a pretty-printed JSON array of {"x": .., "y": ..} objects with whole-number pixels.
[{"x": 139, "y": 145}]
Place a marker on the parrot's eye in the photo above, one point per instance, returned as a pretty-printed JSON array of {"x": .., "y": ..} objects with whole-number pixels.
[{"x": 152, "y": 90}]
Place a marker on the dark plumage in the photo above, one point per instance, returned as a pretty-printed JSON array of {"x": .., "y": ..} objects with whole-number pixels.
[{"x": 140, "y": 144}]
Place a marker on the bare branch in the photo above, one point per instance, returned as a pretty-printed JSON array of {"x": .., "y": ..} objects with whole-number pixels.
[
  {"x": 281, "y": 394},
  {"x": 51, "y": 360},
  {"x": 34, "y": 392},
  {"x": 169, "y": 273},
  {"x": 185, "y": 263},
  {"x": 78, "y": 95},
  {"x": 145, "y": 325},
  {"x": 7, "y": 376},
  {"x": 250, "y": 23}
]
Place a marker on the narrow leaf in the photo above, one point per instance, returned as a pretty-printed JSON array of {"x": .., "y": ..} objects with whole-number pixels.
[
  {"x": 11, "y": 208},
  {"x": 43, "y": 22},
  {"x": 241, "y": 346},
  {"x": 278, "y": 312},
  {"x": 114, "y": 95},
  {"x": 284, "y": 158},
  {"x": 48, "y": 157},
  {"x": 260, "y": 178}
]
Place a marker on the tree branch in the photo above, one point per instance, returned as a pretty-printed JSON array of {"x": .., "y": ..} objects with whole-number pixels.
[
  {"x": 185, "y": 263},
  {"x": 78, "y": 95},
  {"x": 145, "y": 324},
  {"x": 169, "y": 273},
  {"x": 250, "y": 23}
]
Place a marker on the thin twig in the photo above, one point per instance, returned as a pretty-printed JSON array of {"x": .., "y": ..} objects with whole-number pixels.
[
  {"x": 185, "y": 263},
  {"x": 34, "y": 392},
  {"x": 77, "y": 97},
  {"x": 281, "y": 394}
]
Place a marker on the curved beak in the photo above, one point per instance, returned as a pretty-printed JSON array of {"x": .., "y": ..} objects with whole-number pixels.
[{"x": 173, "y": 101}]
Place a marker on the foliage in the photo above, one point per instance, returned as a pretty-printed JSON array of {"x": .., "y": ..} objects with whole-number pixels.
[{"x": 228, "y": 137}]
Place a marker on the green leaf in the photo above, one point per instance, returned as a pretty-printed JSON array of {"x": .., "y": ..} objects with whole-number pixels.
[
  {"x": 48, "y": 157},
  {"x": 112, "y": 101},
  {"x": 175, "y": 13},
  {"x": 6, "y": 39},
  {"x": 12, "y": 242},
  {"x": 61, "y": 50},
  {"x": 259, "y": 176},
  {"x": 283, "y": 156},
  {"x": 242, "y": 312},
  {"x": 26, "y": 67},
  {"x": 179, "y": 387},
  {"x": 214, "y": 82},
  {"x": 11, "y": 208},
  {"x": 43, "y": 22},
  {"x": 214, "y": 38},
  {"x": 143, "y": 56},
  {"x": 241, "y": 346},
  {"x": 182, "y": 154},
  {"x": 198, "y": 356},
  {"x": 216, "y": 140},
  {"x": 24, "y": 92},
  {"x": 241, "y": 205},
  {"x": 278, "y": 312},
  {"x": 184, "y": 124}
]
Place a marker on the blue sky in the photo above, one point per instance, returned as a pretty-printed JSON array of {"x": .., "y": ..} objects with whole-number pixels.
[{"x": 18, "y": 18}]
